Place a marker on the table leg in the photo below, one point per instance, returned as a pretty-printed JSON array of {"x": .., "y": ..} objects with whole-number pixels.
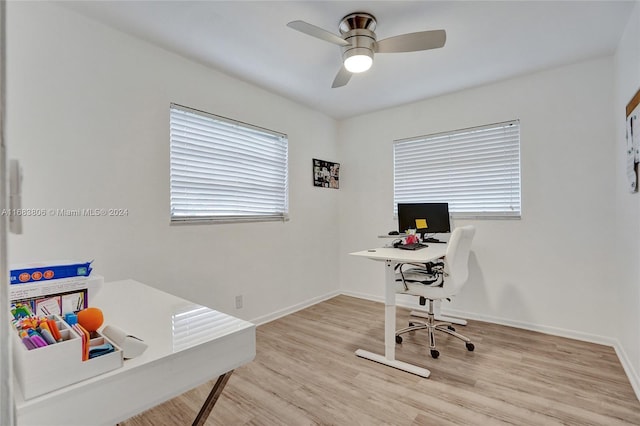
[
  {"x": 389, "y": 357},
  {"x": 201, "y": 418},
  {"x": 389, "y": 311}
]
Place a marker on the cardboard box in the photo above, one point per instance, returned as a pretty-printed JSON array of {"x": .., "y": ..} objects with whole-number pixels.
[
  {"x": 52, "y": 367},
  {"x": 53, "y": 287},
  {"x": 45, "y": 271}
]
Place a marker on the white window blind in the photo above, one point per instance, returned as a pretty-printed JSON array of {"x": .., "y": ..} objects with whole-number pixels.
[
  {"x": 475, "y": 170},
  {"x": 225, "y": 170}
]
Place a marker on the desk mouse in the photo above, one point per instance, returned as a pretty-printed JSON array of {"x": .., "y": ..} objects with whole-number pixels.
[{"x": 394, "y": 233}]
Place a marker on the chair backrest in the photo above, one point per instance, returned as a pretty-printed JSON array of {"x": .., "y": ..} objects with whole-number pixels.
[{"x": 456, "y": 259}]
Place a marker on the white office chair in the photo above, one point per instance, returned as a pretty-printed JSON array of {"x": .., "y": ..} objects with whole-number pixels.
[{"x": 437, "y": 281}]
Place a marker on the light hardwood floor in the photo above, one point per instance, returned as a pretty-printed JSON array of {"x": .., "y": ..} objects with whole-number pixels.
[{"x": 306, "y": 373}]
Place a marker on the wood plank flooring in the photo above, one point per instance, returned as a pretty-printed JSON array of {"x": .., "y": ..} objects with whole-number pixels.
[{"x": 306, "y": 373}]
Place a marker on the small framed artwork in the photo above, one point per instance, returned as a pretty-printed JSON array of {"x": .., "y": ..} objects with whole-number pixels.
[
  {"x": 326, "y": 174},
  {"x": 633, "y": 141}
]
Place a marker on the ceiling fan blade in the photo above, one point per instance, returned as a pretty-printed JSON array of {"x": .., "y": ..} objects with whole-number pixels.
[
  {"x": 413, "y": 42},
  {"x": 317, "y": 32},
  {"x": 342, "y": 78}
]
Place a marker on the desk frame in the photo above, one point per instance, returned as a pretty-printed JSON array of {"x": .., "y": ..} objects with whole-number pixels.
[
  {"x": 393, "y": 257},
  {"x": 211, "y": 400}
]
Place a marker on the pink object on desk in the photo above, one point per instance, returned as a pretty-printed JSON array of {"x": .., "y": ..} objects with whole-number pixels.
[{"x": 411, "y": 239}]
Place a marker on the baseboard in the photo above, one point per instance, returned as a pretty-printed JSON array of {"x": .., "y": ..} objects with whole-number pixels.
[
  {"x": 632, "y": 375},
  {"x": 365, "y": 296},
  {"x": 294, "y": 308},
  {"x": 555, "y": 331}
]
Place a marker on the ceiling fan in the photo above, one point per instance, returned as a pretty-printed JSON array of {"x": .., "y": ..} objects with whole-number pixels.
[{"x": 358, "y": 41}]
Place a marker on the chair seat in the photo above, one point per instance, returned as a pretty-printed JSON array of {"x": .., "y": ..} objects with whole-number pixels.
[
  {"x": 421, "y": 282},
  {"x": 419, "y": 289}
]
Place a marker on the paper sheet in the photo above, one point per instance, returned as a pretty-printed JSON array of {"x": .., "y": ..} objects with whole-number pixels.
[{"x": 421, "y": 223}]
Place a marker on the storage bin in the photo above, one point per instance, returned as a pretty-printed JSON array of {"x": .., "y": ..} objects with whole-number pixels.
[{"x": 45, "y": 369}]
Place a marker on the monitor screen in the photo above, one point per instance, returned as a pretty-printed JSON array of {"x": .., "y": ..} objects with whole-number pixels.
[{"x": 424, "y": 217}]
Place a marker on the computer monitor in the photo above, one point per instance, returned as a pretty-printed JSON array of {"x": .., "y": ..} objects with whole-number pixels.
[{"x": 424, "y": 217}]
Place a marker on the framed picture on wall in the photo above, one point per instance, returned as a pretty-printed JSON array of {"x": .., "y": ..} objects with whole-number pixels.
[
  {"x": 633, "y": 141},
  {"x": 326, "y": 174}
]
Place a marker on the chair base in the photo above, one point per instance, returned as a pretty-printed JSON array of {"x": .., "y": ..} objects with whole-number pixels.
[
  {"x": 438, "y": 315},
  {"x": 441, "y": 318},
  {"x": 431, "y": 326}
]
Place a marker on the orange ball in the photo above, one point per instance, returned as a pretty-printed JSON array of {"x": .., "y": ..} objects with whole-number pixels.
[{"x": 90, "y": 319}]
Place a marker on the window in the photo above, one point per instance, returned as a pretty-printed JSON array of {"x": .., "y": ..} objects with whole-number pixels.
[
  {"x": 224, "y": 170},
  {"x": 476, "y": 170}
]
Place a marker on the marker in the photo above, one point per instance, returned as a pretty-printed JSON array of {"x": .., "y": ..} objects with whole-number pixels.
[
  {"x": 44, "y": 325},
  {"x": 48, "y": 337},
  {"x": 54, "y": 329},
  {"x": 38, "y": 341},
  {"x": 28, "y": 323},
  {"x": 32, "y": 332},
  {"x": 28, "y": 343}
]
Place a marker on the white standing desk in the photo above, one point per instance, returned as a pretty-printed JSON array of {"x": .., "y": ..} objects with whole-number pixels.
[
  {"x": 189, "y": 344},
  {"x": 392, "y": 257}
]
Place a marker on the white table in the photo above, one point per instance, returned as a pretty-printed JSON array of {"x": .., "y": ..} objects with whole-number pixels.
[
  {"x": 392, "y": 257},
  {"x": 189, "y": 345}
]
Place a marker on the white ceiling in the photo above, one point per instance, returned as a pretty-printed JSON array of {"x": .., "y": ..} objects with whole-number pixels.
[{"x": 486, "y": 41}]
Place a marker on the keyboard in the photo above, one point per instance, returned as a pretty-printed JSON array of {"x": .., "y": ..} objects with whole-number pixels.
[
  {"x": 412, "y": 246},
  {"x": 433, "y": 240}
]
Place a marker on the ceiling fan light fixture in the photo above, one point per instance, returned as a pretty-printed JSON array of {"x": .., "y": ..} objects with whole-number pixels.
[
  {"x": 358, "y": 60},
  {"x": 359, "y": 42}
]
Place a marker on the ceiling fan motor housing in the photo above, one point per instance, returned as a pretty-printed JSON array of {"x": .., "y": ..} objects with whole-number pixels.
[{"x": 357, "y": 29}]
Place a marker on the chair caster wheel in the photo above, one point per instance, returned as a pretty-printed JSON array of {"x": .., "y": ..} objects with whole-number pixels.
[
  {"x": 398, "y": 339},
  {"x": 434, "y": 353},
  {"x": 450, "y": 327},
  {"x": 470, "y": 347}
]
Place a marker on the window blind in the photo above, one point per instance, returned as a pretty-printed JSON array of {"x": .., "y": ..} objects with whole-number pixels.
[
  {"x": 475, "y": 170},
  {"x": 225, "y": 170}
]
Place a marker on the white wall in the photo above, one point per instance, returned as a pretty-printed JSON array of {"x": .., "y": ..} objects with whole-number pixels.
[
  {"x": 627, "y": 242},
  {"x": 88, "y": 112},
  {"x": 552, "y": 269}
]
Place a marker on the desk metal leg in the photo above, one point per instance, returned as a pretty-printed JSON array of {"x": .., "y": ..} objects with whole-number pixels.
[
  {"x": 389, "y": 357},
  {"x": 201, "y": 418}
]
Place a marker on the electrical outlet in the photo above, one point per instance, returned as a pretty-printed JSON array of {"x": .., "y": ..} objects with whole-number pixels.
[{"x": 239, "y": 302}]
